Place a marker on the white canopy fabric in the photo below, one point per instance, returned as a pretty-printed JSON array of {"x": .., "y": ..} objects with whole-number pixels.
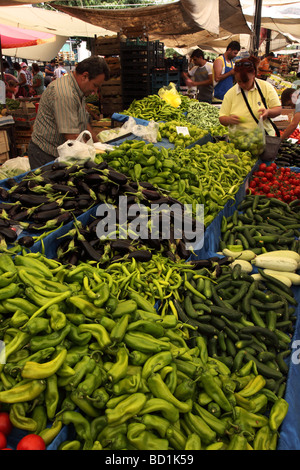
[
  {"x": 184, "y": 23},
  {"x": 49, "y": 21},
  {"x": 60, "y": 24},
  {"x": 278, "y": 19}
]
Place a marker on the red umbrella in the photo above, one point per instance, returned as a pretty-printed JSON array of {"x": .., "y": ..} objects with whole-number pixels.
[{"x": 11, "y": 37}]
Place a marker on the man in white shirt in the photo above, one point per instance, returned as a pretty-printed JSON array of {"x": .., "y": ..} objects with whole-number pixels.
[
  {"x": 202, "y": 75},
  {"x": 59, "y": 71}
]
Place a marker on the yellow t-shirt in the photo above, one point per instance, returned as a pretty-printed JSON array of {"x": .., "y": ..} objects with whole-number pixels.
[{"x": 234, "y": 103}]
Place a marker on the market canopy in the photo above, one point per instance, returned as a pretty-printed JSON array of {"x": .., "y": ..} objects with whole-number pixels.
[
  {"x": 185, "y": 23},
  {"x": 58, "y": 24},
  {"x": 285, "y": 21},
  {"x": 12, "y": 37}
]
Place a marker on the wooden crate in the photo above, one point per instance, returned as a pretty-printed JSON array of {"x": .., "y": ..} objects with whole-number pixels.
[
  {"x": 23, "y": 136},
  {"x": 3, "y": 157},
  {"x": 107, "y": 45},
  {"x": 4, "y": 144},
  {"x": 112, "y": 87}
]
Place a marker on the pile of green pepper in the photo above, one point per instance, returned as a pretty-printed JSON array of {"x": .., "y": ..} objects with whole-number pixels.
[
  {"x": 210, "y": 174},
  {"x": 82, "y": 351},
  {"x": 152, "y": 107}
]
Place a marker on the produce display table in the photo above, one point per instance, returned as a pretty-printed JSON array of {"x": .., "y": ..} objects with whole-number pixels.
[{"x": 290, "y": 429}]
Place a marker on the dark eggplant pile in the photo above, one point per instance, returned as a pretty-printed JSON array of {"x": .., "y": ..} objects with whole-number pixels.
[
  {"x": 288, "y": 154},
  {"x": 82, "y": 242},
  {"x": 53, "y": 195}
]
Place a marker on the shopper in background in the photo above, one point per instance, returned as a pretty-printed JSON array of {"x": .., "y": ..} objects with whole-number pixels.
[
  {"x": 49, "y": 72},
  {"x": 62, "y": 111},
  {"x": 11, "y": 89},
  {"x": 291, "y": 98},
  {"x": 264, "y": 70},
  {"x": 24, "y": 86},
  {"x": 37, "y": 79},
  {"x": 234, "y": 110},
  {"x": 223, "y": 70},
  {"x": 27, "y": 73},
  {"x": 201, "y": 76},
  {"x": 6, "y": 75},
  {"x": 298, "y": 71},
  {"x": 59, "y": 71}
]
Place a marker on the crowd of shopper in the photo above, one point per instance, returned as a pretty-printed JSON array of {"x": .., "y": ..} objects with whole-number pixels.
[{"x": 26, "y": 81}]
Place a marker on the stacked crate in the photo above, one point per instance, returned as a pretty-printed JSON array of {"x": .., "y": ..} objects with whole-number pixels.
[
  {"x": 162, "y": 77},
  {"x": 111, "y": 90},
  {"x": 138, "y": 58}
]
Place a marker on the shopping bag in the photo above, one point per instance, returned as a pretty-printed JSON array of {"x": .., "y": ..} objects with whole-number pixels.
[
  {"x": 244, "y": 139},
  {"x": 82, "y": 148},
  {"x": 272, "y": 144}
]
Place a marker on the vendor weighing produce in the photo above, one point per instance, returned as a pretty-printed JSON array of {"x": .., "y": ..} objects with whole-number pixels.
[
  {"x": 249, "y": 99},
  {"x": 62, "y": 111}
]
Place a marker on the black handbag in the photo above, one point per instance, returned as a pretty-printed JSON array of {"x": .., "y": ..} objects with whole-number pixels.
[{"x": 272, "y": 143}]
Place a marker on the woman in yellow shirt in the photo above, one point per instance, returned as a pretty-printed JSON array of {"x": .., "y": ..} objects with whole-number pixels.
[{"x": 262, "y": 98}]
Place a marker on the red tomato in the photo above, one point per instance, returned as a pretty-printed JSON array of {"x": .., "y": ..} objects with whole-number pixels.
[
  {"x": 5, "y": 424},
  {"x": 3, "y": 440},
  {"x": 252, "y": 184},
  {"x": 269, "y": 175},
  {"x": 262, "y": 166},
  {"x": 31, "y": 442}
]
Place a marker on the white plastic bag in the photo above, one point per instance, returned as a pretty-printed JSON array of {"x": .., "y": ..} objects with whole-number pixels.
[
  {"x": 148, "y": 133},
  {"x": 252, "y": 140},
  {"x": 14, "y": 167},
  {"x": 78, "y": 149}
]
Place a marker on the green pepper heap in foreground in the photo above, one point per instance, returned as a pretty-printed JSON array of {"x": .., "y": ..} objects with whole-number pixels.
[{"x": 82, "y": 351}]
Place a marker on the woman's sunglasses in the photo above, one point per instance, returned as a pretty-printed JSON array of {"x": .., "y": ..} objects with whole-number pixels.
[{"x": 244, "y": 64}]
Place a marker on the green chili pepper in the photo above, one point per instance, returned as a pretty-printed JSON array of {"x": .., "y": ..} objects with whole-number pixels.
[
  {"x": 262, "y": 438},
  {"x": 70, "y": 445},
  {"x": 160, "y": 390},
  {"x": 142, "y": 439},
  {"x": 98, "y": 332},
  {"x": 34, "y": 370},
  {"x": 86, "y": 307},
  {"x": 49, "y": 433},
  {"x": 254, "y": 420},
  {"x": 51, "y": 395},
  {"x": 23, "y": 392},
  {"x": 237, "y": 442},
  {"x": 99, "y": 398},
  {"x": 119, "y": 369},
  {"x": 126, "y": 408},
  {"x": 38, "y": 325},
  {"x": 92, "y": 381},
  {"x": 129, "y": 384},
  {"x": 199, "y": 426},
  {"x": 277, "y": 413},
  {"x": 18, "y": 418},
  {"x": 214, "y": 391},
  {"x": 81, "y": 425},
  {"x": 193, "y": 442}
]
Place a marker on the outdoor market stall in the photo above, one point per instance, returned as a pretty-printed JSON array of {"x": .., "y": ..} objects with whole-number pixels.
[{"x": 148, "y": 341}]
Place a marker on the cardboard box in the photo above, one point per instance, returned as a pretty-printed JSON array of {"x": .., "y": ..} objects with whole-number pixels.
[
  {"x": 4, "y": 145},
  {"x": 284, "y": 124},
  {"x": 3, "y": 157}
]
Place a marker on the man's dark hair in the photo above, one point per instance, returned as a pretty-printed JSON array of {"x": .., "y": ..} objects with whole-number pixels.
[
  {"x": 95, "y": 66},
  {"x": 286, "y": 96},
  {"x": 234, "y": 46},
  {"x": 270, "y": 54},
  {"x": 197, "y": 53}
]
